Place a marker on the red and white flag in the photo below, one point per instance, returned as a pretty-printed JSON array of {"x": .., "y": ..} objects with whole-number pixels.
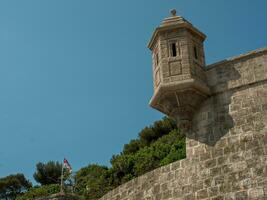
[{"x": 67, "y": 165}]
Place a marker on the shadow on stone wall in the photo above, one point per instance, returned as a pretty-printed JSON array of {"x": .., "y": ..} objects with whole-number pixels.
[{"x": 212, "y": 120}]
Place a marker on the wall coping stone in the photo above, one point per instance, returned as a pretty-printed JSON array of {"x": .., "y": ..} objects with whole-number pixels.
[{"x": 239, "y": 57}]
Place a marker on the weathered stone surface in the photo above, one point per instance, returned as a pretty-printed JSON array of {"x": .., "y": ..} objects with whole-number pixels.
[
  {"x": 227, "y": 139},
  {"x": 59, "y": 197}
]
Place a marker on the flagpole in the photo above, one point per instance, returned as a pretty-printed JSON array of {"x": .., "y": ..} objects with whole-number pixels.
[{"x": 61, "y": 184}]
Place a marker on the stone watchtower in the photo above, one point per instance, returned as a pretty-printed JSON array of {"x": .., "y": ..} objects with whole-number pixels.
[
  {"x": 222, "y": 110},
  {"x": 180, "y": 84}
]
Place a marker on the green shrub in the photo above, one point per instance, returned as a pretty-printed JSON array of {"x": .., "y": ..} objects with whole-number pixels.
[
  {"x": 41, "y": 191},
  {"x": 157, "y": 145}
]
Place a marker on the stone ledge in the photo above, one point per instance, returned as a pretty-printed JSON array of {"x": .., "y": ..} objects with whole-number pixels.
[
  {"x": 235, "y": 58},
  {"x": 59, "y": 196}
]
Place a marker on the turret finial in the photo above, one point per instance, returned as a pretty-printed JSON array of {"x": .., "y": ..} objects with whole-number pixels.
[{"x": 173, "y": 12}]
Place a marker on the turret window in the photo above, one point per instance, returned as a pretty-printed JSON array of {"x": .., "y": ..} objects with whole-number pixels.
[
  {"x": 173, "y": 49},
  {"x": 157, "y": 59},
  {"x": 195, "y": 53}
]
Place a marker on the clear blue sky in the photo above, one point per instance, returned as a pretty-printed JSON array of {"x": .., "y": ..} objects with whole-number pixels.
[{"x": 75, "y": 75}]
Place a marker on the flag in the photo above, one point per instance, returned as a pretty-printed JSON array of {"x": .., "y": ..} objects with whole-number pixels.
[{"x": 67, "y": 165}]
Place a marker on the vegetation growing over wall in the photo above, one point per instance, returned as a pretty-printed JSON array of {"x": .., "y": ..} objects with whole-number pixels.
[
  {"x": 157, "y": 145},
  {"x": 41, "y": 191}
]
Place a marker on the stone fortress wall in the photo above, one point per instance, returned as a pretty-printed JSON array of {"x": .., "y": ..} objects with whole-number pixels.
[
  {"x": 227, "y": 149},
  {"x": 222, "y": 109}
]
